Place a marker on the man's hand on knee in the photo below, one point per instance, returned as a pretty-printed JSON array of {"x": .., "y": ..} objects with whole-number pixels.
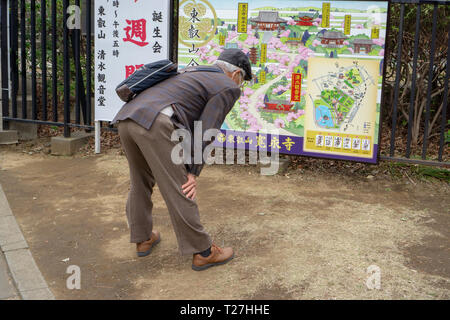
[{"x": 190, "y": 187}]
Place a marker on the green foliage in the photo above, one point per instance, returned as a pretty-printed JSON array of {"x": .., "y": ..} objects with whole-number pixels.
[
  {"x": 242, "y": 37},
  {"x": 441, "y": 174},
  {"x": 48, "y": 48}
]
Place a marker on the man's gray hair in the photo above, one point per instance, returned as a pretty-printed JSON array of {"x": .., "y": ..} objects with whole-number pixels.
[{"x": 226, "y": 66}]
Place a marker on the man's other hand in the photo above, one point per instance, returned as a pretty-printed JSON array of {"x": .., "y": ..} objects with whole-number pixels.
[{"x": 190, "y": 187}]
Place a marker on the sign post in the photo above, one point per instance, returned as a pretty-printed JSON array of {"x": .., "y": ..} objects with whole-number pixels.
[{"x": 128, "y": 35}]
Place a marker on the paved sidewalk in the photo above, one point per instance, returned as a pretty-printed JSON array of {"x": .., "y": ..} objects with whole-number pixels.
[{"x": 20, "y": 277}]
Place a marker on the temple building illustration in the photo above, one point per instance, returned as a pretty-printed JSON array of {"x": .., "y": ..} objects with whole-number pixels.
[
  {"x": 362, "y": 45},
  {"x": 306, "y": 18},
  {"x": 332, "y": 39},
  {"x": 268, "y": 21}
]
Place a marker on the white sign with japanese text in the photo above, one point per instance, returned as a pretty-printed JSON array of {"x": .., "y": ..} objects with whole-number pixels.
[{"x": 128, "y": 34}]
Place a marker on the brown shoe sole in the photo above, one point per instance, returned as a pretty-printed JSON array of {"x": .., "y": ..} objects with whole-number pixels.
[
  {"x": 209, "y": 265},
  {"x": 146, "y": 253}
]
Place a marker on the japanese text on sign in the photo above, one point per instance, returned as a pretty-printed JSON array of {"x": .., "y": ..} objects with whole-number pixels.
[
  {"x": 347, "y": 24},
  {"x": 375, "y": 33},
  {"x": 296, "y": 86},
  {"x": 242, "y": 17},
  {"x": 262, "y": 76},
  {"x": 263, "y": 57},
  {"x": 128, "y": 35},
  {"x": 326, "y": 15}
]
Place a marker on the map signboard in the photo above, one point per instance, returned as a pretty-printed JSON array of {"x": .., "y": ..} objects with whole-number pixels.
[{"x": 317, "y": 66}]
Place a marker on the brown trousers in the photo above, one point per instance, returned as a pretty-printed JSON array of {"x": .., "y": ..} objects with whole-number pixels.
[{"x": 149, "y": 158}]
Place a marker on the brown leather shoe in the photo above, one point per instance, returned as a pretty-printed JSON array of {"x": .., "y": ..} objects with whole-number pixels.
[
  {"x": 217, "y": 257},
  {"x": 144, "y": 248}
]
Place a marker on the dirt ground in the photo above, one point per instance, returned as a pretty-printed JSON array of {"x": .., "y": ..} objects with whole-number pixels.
[{"x": 303, "y": 235}]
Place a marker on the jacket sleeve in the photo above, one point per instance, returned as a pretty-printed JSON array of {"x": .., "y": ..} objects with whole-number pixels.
[{"x": 213, "y": 116}]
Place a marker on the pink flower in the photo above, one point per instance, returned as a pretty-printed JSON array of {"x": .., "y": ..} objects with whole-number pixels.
[
  {"x": 300, "y": 113},
  {"x": 291, "y": 116},
  {"x": 381, "y": 53},
  {"x": 315, "y": 43},
  {"x": 346, "y": 43},
  {"x": 248, "y": 92},
  {"x": 255, "y": 127},
  {"x": 260, "y": 105},
  {"x": 245, "y": 115},
  {"x": 252, "y": 121},
  {"x": 251, "y": 41},
  {"x": 359, "y": 26},
  {"x": 244, "y": 100},
  {"x": 291, "y": 22},
  {"x": 279, "y": 123},
  {"x": 350, "y": 49},
  {"x": 243, "y": 107},
  {"x": 285, "y": 33},
  {"x": 378, "y": 42},
  {"x": 211, "y": 59}
]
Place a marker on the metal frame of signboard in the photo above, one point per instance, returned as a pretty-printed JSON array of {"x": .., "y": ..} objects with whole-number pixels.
[{"x": 376, "y": 155}]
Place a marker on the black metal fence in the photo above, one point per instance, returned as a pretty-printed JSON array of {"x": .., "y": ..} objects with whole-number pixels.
[
  {"x": 53, "y": 101},
  {"x": 60, "y": 65},
  {"x": 416, "y": 85}
]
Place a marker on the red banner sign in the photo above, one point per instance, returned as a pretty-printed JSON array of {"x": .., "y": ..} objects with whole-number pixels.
[{"x": 296, "y": 87}]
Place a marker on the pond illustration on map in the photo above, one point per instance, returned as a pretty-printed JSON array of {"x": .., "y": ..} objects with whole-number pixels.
[{"x": 280, "y": 38}]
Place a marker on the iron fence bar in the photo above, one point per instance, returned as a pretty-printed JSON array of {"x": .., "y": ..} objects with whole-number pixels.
[
  {"x": 66, "y": 70},
  {"x": 397, "y": 80},
  {"x": 54, "y": 64},
  {"x": 76, "y": 57},
  {"x": 430, "y": 82},
  {"x": 80, "y": 94},
  {"x": 23, "y": 58},
  {"x": 44, "y": 57},
  {"x": 76, "y": 54},
  {"x": 33, "y": 59},
  {"x": 4, "y": 59},
  {"x": 88, "y": 62},
  {"x": 445, "y": 102},
  {"x": 413, "y": 83},
  {"x": 13, "y": 55}
]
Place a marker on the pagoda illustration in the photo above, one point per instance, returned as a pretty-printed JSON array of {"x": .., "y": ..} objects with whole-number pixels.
[{"x": 253, "y": 55}]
